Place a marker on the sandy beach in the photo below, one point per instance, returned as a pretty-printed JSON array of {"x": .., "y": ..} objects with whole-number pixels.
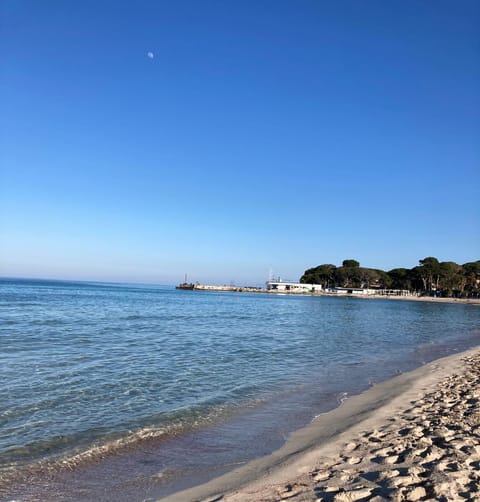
[
  {"x": 415, "y": 437},
  {"x": 430, "y": 299},
  {"x": 413, "y": 298}
]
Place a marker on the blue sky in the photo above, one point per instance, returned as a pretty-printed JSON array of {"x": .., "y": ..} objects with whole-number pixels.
[{"x": 262, "y": 134}]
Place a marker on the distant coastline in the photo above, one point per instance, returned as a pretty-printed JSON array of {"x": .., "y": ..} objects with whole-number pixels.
[{"x": 252, "y": 289}]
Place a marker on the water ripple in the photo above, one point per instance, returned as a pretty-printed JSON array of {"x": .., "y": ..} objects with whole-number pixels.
[{"x": 83, "y": 362}]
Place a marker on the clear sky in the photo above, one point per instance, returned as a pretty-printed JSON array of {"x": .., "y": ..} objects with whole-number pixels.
[{"x": 142, "y": 140}]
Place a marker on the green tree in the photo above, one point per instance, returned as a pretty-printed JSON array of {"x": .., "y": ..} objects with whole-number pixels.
[
  {"x": 401, "y": 278},
  {"x": 447, "y": 278},
  {"x": 471, "y": 272},
  {"x": 384, "y": 281},
  {"x": 350, "y": 263},
  {"x": 369, "y": 277},
  {"x": 452, "y": 279},
  {"x": 418, "y": 280},
  {"x": 429, "y": 271},
  {"x": 323, "y": 274},
  {"x": 349, "y": 276}
]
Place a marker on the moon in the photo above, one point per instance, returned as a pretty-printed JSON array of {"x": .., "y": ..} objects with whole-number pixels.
[{"x": 150, "y": 54}]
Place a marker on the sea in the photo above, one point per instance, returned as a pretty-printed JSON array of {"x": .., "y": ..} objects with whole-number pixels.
[{"x": 132, "y": 392}]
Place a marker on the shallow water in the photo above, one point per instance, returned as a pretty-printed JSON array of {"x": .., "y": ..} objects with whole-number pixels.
[{"x": 165, "y": 388}]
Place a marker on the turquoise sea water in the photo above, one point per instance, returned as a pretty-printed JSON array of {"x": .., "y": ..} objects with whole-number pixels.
[{"x": 166, "y": 388}]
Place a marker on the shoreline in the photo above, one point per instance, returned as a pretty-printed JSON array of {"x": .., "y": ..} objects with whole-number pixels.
[
  {"x": 246, "y": 289},
  {"x": 400, "y": 439},
  {"x": 431, "y": 299}
]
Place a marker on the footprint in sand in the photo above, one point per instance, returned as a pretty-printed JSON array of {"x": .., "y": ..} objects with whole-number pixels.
[
  {"x": 354, "y": 460},
  {"x": 432, "y": 454},
  {"x": 407, "y": 480},
  {"x": 391, "y": 459},
  {"x": 415, "y": 454},
  {"x": 350, "y": 447},
  {"x": 321, "y": 476},
  {"x": 389, "y": 474},
  {"x": 417, "y": 493},
  {"x": 352, "y": 495}
]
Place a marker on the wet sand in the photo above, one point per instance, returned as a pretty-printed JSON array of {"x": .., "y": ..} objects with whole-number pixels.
[{"x": 414, "y": 437}]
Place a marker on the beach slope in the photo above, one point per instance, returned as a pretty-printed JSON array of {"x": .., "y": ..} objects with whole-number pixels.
[{"x": 414, "y": 437}]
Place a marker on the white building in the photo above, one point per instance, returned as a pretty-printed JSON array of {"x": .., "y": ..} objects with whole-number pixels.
[
  {"x": 354, "y": 291},
  {"x": 293, "y": 287},
  {"x": 370, "y": 291}
]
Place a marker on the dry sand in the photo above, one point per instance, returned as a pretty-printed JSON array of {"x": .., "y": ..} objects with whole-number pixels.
[
  {"x": 415, "y": 437},
  {"x": 428, "y": 299}
]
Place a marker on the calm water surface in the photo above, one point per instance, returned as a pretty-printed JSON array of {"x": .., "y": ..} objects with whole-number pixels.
[{"x": 164, "y": 388}]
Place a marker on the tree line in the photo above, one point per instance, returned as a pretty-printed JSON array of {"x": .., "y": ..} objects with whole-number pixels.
[{"x": 430, "y": 277}]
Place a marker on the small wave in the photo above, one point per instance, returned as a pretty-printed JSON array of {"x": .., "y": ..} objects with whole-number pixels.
[
  {"x": 333, "y": 401},
  {"x": 48, "y": 322},
  {"x": 20, "y": 471},
  {"x": 146, "y": 317},
  {"x": 10, "y": 322},
  {"x": 20, "y": 468},
  {"x": 116, "y": 446}
]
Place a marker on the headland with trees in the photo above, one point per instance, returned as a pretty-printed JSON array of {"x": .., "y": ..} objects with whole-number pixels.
[{"x": 430, "y": 278}]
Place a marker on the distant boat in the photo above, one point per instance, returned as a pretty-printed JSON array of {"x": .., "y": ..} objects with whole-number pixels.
[{"x": 186, "y": 284}]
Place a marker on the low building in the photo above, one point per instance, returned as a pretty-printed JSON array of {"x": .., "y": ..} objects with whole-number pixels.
[
  {"x": 369, "y": 291},
  {"x": 354, "y": 291},
  {"x": 293, "y": 287}
]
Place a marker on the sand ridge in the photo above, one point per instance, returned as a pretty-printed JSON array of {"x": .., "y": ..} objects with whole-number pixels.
[{"x": 429, "y": 450}]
